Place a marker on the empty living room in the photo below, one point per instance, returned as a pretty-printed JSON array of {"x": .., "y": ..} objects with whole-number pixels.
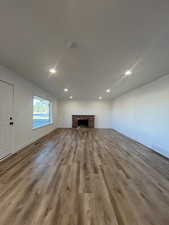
[{"x": 84, "y": 112}]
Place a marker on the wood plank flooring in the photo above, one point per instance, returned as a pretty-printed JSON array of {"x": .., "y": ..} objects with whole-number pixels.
[{"x": 84, "y": 177}]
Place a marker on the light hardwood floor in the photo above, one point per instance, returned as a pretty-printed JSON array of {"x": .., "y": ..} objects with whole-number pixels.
[{"x": 84, "y": 177}]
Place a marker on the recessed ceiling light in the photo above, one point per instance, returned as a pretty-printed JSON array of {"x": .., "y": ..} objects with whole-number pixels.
[
  {"x": 70, "y": 97},
  {"x": 66, "y": 90},
  {"x": 100, "y": 97},
  {"x": 52, "y": 70},
  {"x": 108, "y": 90},
  {"x": 128, "y": 73}
]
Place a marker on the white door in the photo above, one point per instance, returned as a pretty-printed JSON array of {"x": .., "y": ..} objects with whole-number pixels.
[{"x": 6, "y": 119}]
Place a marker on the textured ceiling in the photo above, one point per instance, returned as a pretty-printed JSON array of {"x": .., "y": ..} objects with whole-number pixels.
[{"x": 112, "y": 36}]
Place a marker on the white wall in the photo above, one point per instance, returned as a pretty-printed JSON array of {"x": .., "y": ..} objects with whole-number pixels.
[
  {"x": 143, "y": 115},
  {"x": 23, "y": 93},
  {"x": 101, "y": 109}
]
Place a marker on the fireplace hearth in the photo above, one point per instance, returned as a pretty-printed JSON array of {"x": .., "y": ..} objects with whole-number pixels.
[{"x": 83, "y": 121}]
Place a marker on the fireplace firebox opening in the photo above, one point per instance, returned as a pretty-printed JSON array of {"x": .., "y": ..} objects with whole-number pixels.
[{"x": 83, "y": 123}]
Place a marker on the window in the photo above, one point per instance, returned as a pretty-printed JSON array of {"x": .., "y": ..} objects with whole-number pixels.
[{"x": 42, "y": 112}]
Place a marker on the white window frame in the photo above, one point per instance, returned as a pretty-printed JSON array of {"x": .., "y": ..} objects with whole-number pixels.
[{"x": 50, "y": 112}]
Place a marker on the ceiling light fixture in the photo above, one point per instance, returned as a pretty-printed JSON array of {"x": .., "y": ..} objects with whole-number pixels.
[
  {"x": 100, "y": 97},
  {"x": 66, "y": 90},
  {"x": 128, "y": 73},
  {"x": 52, "y": 70},
  {"x": 70, "y": 97},
  {"x": 108, "y": 90}
]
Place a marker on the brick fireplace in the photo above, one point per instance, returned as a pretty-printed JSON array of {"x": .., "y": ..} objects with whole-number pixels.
[{"x": 83, "y": 121}]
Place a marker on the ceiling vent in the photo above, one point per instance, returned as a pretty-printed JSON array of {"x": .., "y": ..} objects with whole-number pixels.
[{"x": 71, "y": 44}]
